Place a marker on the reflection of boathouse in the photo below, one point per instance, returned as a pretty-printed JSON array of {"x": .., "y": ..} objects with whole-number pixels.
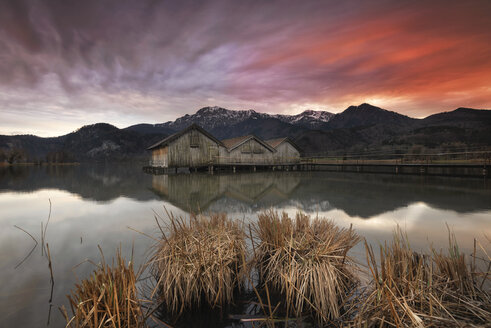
[
  {"x": 197, "y": 192},
  {"x": 195, "y": 148}
]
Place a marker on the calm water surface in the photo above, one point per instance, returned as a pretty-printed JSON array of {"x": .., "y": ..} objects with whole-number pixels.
[{"x": 103, "y": 205}]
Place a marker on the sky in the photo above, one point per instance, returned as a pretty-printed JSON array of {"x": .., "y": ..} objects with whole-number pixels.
[{"x": 67, "y": 63}]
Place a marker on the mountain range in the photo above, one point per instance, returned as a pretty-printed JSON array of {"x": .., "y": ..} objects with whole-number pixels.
[{"x": 357, "y": 129}]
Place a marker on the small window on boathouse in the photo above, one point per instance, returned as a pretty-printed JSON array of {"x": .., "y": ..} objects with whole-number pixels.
[{"x": 194, "y": 139}]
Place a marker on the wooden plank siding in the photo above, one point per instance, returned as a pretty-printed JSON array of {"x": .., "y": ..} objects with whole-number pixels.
[
  {"x": 200, "y": 152},
  {"x": 250, "y": 152},
  {"x": 159, "y": 157},
  {"x": 192, "y": 149},
  {"x": 286, "y": 153}
]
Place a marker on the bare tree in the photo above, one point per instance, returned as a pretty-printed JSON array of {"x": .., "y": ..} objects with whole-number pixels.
[{"x": 15, "y": 155}]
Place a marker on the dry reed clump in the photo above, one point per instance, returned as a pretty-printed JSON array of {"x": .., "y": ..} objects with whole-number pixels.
[
  {"x": 108, "y": 298},
  {"x": 198, "y": 260},
  {"x": 414, "y": 290},
  {"x": 306, "y": 261}
]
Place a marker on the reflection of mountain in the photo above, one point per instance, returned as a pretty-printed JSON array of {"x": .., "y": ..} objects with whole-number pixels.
[
  {"x": 363, "y": 195},
  {"x": 203, "y": 192},
  {"x": 95, "y": 182},
  {"x": 367, "y": 195}
]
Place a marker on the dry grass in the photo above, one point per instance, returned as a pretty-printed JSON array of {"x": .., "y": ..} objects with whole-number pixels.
[
  {"x": 108, "y": 298},
  {"x": 306, "y": 261},
  {"x": 198, "y": 260},
  {"x": 201, "y": 260},
  {"x": 410, "y": 289}
]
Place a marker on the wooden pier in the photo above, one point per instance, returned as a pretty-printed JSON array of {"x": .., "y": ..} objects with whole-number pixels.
[
  {"x": 237, "y": 167},
  {"x": 430, "y": 169},
  {"x": 451, "y": 170}
]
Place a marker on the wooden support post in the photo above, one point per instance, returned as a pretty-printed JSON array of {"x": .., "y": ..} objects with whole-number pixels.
[
  {"x": 233, "y": 168},
  {"x": 254, "y": 168}
]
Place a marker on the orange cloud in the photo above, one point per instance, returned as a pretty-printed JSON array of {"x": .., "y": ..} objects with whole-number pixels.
[{"x": 421, "y": 54}]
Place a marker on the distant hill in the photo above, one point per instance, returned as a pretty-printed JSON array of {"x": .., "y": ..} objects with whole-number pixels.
[
  {"x": 106, "y": 142},
  {"x": 146, "y": 128},
  {"x": 461, "y": 117},
  {"x": 366, "y": 128},
  {"x": 98, "y": 142},
  {"x": 357, "y": 129},
  {"x": 263, "y": 127},
  {"x": 367, "y": 115}
]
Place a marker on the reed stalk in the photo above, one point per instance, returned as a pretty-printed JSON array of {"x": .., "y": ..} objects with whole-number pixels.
[
  {"x": 108, "y": 298},
  {"x": 410, "y": 289},
  {"x": 306, "y": 261},
  {"x": 198, "y": 261}
]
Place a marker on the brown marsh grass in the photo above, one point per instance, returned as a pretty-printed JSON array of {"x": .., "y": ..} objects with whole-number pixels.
[
  {"x": 108, "y": 298},
  {"x": 199, "y": 260},
  {"x": 410, "y": 289},
  {"x": 306, "y": 261}
]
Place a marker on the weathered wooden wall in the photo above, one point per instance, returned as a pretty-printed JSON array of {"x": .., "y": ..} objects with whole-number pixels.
[
  {"x": 159, "y": 157},
  {"x": 195, "y": 149},
  {"x": 250, "y": 152},
  {"x": 192, "y": 149},
  {"x": 286, "y": 154}
]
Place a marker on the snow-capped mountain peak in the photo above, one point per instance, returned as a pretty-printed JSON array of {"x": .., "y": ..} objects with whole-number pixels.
[
  {"x": 212, "y": 117},
  {"x": 308, "y": 118}
]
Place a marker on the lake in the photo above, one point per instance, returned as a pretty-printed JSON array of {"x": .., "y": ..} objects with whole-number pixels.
[{"x": 114, "y": 206}]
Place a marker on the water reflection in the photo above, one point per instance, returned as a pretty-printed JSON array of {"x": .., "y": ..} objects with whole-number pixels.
[
  {"x": 97, "y": 204},
  {"x": 92, "y": 182},
  {"x": 361, "y": 195},
  {"x": 210, "y": 192}
]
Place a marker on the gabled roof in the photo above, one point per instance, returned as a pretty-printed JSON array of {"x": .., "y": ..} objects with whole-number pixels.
[
  {"x": 233, "y": 143},
  {"x": 174, "y": 136},
  {"x": 276, "y": 142},
  {"x": 229, "y": 143}
]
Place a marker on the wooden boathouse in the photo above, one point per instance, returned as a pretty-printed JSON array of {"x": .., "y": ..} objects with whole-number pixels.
[{"x": 194, "y": 148}]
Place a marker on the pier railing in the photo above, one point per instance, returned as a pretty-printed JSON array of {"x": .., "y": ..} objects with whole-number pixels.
[{"x": 457, "y": 157}]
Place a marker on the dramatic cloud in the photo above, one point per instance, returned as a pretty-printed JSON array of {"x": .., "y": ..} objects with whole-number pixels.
[{"x": 67, "y": 63}]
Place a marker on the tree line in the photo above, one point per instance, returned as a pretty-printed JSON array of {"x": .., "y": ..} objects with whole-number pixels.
[{"x": 19, "y": 155}]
